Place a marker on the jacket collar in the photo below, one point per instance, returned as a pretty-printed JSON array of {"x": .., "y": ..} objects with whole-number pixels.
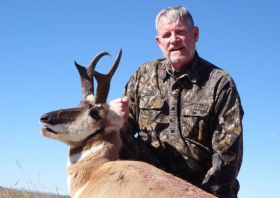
[{"x": 189, "y": 71}]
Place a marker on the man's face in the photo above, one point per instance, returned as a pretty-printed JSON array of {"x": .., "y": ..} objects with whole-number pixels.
[{"x": 177, "y": 41}]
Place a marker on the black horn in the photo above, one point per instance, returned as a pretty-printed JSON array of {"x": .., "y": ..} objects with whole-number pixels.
[{"x": 103, "y": 80}]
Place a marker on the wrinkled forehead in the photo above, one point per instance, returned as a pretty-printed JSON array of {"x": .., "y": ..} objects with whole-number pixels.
[
  {"x": 169, "y": 21},
  {"x": 168, "y": 26}
]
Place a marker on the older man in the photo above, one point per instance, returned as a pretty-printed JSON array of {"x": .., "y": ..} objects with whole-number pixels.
[{"x": 185, "y": 114}]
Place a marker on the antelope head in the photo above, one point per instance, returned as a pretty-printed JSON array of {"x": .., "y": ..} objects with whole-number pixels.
[{"x": 73, "y": 126}]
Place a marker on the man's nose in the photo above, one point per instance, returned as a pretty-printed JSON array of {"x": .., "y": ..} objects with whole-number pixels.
[{"x": 173, "y": 37}]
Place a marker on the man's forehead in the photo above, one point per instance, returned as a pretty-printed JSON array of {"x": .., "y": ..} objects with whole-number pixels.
[{"x": 166, "y": 25}]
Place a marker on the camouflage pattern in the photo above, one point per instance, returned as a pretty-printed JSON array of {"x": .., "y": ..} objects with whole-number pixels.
[{"x": 189, "y": 121}]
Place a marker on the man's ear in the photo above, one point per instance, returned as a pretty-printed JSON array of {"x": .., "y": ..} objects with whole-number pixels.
[
  {"x": 157, "y": 40},
  {"x": 195, "y": 33}
]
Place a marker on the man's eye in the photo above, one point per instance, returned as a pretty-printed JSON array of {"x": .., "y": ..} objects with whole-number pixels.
[
  {"x": 166, "y": 35},
  {"x": 181, "y": 33}
]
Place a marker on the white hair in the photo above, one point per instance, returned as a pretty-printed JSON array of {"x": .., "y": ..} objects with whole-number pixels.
[{"x": 173, "y": 14}]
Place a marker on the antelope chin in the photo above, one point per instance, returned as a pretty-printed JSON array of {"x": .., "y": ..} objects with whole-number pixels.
[{"x": 47, "y": 132}]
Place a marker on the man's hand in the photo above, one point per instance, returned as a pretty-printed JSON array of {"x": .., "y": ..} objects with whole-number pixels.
[{"x": 120, "y": 106}]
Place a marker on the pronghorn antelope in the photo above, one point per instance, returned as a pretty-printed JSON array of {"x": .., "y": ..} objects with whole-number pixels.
[{"x": 92, "y": 132}]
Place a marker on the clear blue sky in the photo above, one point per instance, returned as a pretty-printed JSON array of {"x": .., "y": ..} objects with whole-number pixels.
[{"x": 40, "y": 39}]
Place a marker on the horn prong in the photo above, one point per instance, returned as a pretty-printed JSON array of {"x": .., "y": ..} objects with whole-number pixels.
[
  {"x": 104, "y": 80},
  {"x": 86, "y": 81}
]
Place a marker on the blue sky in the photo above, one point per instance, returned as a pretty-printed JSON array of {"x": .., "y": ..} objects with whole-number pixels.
[{"x": 40, "y": 39}]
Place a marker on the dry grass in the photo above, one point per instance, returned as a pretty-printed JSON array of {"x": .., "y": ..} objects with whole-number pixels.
[
  {"x": 13, "y": 193},
  {"x": 22, "y": 189}
]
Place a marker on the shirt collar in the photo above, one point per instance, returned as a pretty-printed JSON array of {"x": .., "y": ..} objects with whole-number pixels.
[{"x": 190, "y": 71}]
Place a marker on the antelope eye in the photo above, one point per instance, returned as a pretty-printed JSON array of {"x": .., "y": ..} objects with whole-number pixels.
[{"x": 94, "y": 113}]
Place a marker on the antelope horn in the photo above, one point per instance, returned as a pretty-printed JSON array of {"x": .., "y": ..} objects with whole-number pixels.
[
  {"x": 86, "y": 75},
  {"x": 104, "y": 80}
]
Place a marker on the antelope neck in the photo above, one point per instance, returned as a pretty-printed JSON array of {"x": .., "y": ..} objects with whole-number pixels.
[{"x": 80, "y": 148}]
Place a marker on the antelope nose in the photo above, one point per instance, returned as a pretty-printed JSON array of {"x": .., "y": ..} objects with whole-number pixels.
[{"x": 45, "y": 118}]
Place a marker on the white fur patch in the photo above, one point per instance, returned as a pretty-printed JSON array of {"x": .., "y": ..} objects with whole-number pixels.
[
  {"x": 80, "y": 156},
  {"x": 78, "y": 192},
  {"x": 90, "y": 98}
]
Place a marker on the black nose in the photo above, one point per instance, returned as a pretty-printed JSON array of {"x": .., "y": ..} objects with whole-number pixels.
[{"x": 45, "y": 118}]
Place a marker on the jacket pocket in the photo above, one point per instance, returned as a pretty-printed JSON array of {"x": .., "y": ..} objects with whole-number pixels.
[
  {"x": 195, "y": 131},
  {"x": 150, "y": 112},
  {"x": 194, "y": 117},
  {"x": 153, "y": 113}
]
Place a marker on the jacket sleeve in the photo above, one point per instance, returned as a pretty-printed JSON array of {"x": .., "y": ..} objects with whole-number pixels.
[
  {"x": 134, "y": 148},
  {"x": 131, "y": 91},
  {"x": 227, "y": 141}
]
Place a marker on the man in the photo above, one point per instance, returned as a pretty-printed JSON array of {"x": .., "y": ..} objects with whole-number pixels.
[{"x": 184, "y": 113}]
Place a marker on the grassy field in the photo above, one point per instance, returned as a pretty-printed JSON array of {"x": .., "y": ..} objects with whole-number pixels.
[{"x": 13, "y": 193}]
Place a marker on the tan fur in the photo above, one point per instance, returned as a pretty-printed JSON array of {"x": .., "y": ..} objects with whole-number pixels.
[{"x": 102, "y": 175}]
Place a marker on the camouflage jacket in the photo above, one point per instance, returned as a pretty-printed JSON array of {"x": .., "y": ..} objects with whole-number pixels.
[{"x": 192, "y": 121}]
